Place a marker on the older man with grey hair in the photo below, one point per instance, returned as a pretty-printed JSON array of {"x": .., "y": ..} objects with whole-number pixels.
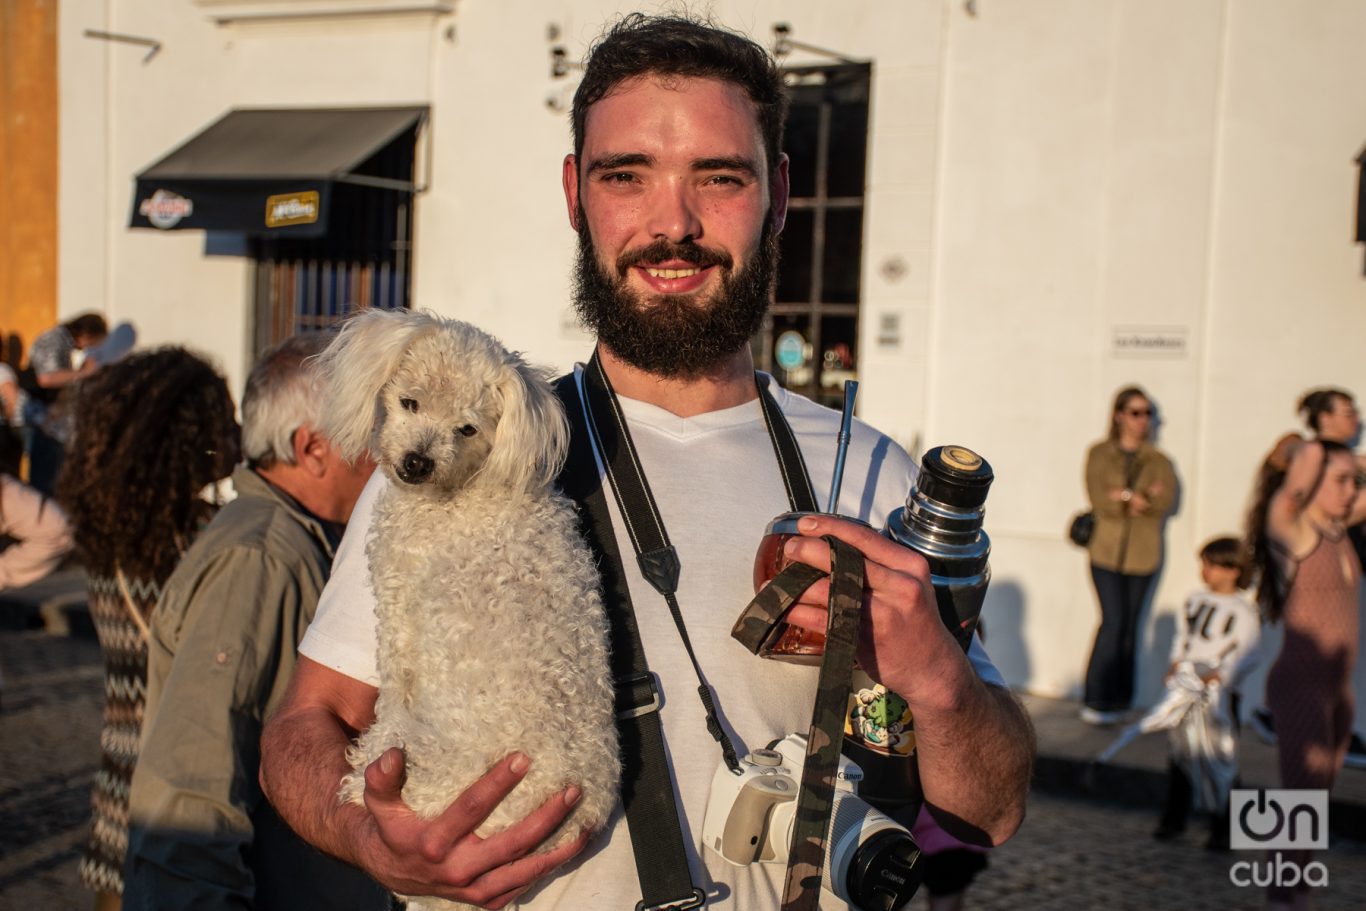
[{"x": 222, "y": 650}]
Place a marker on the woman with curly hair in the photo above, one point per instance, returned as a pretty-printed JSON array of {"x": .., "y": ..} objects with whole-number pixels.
[
  {"x": 1307, "y": 494},
  {"x": 151, "y": 433}
]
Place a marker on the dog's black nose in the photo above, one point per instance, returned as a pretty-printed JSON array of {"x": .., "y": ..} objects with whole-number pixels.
[{"x": 415, "y": 468}]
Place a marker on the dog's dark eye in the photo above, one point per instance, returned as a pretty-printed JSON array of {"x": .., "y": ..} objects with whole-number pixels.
[
  {"x": 409, "y": 405},
  {"x": 468, "y": 430}
]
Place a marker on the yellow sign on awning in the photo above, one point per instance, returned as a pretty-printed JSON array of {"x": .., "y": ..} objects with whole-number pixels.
[{"x": 292, "y": 209}]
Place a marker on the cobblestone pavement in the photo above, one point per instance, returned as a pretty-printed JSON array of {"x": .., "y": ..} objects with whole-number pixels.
[
  {"x": 1080, "y": 855},
  {"x": 1071, "y": 855},
  {"x": 49, "y": 754}
]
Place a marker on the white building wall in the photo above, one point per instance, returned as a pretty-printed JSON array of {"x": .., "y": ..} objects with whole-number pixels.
[
  {"x": 1041, "y": 173},
  {"x": 84, "y": 221},
  {"x": 1288, "y": 296},
  {"x": 1075, "y": 200},
  {"x": 1159, "y": 164}
]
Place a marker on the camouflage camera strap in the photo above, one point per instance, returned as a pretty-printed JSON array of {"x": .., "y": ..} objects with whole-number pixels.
[
  {"x": 652, "y": 814},
  {"x": 815, "y": 798}
]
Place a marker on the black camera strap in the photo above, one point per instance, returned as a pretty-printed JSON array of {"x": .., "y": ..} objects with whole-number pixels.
[{"x": 647, "y": 790}]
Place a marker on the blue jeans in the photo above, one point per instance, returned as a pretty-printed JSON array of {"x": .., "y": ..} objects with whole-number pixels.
[
  {"x": 1110, "y": 674},
  {"x": 45, "y": 456}
]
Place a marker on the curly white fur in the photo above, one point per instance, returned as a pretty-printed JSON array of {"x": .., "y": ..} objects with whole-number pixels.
[{"x": 492, "y": 636}]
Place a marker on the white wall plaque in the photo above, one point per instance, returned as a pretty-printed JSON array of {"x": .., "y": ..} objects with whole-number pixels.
[{"x": 1149, "y": 341}]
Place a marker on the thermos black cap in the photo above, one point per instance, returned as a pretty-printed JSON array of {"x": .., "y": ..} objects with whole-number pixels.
[{"x": 955, "y": 476}]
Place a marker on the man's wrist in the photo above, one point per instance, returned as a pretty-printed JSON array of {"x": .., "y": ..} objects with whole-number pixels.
[
  {"x": 362, "y": 841},
  {"x": 943, "y": 685}
]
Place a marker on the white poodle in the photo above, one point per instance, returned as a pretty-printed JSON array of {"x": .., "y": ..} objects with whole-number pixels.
[{"x": 492, "y": 636}]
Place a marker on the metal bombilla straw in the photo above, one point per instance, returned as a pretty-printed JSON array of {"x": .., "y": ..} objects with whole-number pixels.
[{"x": 842, "y": 443}]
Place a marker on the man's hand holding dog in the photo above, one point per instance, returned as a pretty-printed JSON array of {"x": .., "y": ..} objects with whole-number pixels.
[
  {"x": 974, "y": 742},
  {"x": 443, "y": 856},
  {"x": 303, "y": 757}
]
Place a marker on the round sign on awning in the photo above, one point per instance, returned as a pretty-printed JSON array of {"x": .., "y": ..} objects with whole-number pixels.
[{"x": 790, "y": 350}]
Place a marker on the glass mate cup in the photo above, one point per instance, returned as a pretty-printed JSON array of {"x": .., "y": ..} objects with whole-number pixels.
[{"x": 792, "y": 643}]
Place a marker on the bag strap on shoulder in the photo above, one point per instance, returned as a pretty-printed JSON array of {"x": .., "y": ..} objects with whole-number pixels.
[{"x": 647, "y": 791}]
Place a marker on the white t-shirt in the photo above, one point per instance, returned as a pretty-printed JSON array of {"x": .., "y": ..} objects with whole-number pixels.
[
  {"x": 1219, "y": 630},
  {"x": 716, "y": 481}
]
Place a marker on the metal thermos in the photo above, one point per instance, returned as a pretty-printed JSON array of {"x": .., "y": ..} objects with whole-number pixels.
[{"x": 942, "y": 521}]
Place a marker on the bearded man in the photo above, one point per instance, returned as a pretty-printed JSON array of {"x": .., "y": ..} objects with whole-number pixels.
[{"x": 677, "y": 188}]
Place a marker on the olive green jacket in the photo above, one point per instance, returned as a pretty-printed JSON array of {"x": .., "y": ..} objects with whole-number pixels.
[
  {"x": 1122, "y": 543},
  {"x": 202, "y": 836}
]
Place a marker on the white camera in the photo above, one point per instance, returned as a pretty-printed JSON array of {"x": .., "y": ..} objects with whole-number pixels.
[{"x": 871, "y": 862}]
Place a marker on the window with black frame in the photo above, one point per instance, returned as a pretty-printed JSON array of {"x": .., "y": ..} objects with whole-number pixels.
[{"x": 810, "y": 340}]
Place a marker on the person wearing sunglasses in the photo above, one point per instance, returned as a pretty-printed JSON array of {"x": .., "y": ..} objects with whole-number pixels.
[{"x": 1132, "y": 487}]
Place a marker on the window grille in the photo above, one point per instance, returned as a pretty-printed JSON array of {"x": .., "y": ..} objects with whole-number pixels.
[{"x": 818, "y": 289}]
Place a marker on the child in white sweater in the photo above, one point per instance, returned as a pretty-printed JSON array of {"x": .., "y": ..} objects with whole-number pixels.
[{"x": 1217, "y": 636}]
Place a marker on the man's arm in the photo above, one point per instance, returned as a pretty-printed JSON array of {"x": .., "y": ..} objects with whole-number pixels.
[
  {"x": 303, "y": 762},
  {"x": 974, "y": 742},
  {"x": 57, "y": 379}
]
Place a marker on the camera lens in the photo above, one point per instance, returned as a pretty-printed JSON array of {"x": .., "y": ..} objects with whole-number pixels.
[
  {"x": 885, "y": 871},
  {"x": 871, "y": 861}
]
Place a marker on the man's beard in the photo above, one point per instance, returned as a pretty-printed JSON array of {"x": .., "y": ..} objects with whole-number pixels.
[{"x": 674, "y": 334}]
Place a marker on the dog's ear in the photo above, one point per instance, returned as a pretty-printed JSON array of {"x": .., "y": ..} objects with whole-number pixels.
[
  {"x": 532, "y": 438},
  {"x": 355, "y": 367}
]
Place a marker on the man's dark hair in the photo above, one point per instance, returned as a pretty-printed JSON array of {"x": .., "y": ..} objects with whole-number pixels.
[
  {"x": 677, "y": 46},
  {"x": 91, "y": 325},
  {"x": 1317, "y": 402},
  {"x": 1227, "y": 552}
]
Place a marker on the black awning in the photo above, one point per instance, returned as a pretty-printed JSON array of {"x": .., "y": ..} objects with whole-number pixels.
[{"x": 269, "y": 171}]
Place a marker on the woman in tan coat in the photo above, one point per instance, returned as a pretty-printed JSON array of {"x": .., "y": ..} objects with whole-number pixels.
[{"x": 1132, "y": 487}]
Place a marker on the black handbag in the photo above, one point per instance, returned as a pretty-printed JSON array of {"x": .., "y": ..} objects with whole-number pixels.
[
  {"x": 1082, "y": 528},
  {"x": 1083, "y": 525}
]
